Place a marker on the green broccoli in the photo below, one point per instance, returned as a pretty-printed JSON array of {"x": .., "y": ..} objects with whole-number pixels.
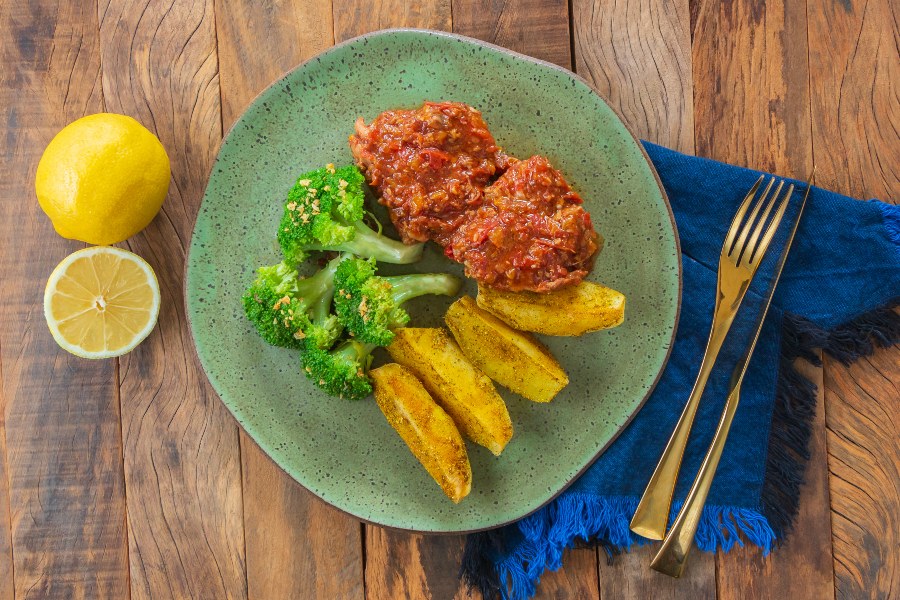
[
  {"x": 370, "y": 307},
  {"x": 324, "y": 211},
  {"x": 341, "y": 372},
  {"x": 288, "y": 310}
]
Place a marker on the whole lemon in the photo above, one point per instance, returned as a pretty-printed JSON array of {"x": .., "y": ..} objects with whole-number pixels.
[{"x": 102, "y": 179}]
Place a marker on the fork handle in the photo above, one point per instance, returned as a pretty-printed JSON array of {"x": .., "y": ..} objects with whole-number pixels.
[
  {"x": 672, "y": 556},
  {"x": 652, "y": 513}
]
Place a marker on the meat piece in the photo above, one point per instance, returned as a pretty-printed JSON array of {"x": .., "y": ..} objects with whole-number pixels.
[
  {"x": 531, "y": 233},
  {"x": 429, "y": 166}
]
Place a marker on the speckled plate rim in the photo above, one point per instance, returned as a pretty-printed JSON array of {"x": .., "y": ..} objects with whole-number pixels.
[{"x": 517, "y": 55}]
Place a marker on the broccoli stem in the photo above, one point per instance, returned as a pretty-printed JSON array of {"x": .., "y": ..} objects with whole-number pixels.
[
  {"x": 354, "y": 350},
  {"x": 371, "y": 244},
  {"x": 318, "y": 291},
  {"x": 357, "y": 352},
  {"x": 406, "y": 287}
]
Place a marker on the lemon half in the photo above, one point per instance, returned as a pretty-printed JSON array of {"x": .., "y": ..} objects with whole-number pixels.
[{"x": 101, "y": 302}]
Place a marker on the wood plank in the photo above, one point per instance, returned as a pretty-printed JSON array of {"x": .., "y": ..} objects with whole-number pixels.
[
  {"x": 182, "y": 462},
  {"x": 578, "y": 578},
  {"x": 6, "y": 559},
  {"x": 751, "y": 90},
  {"x": 63, "y": 443},
  {"x": 538, "y": 28},
  {"x": 397, "y": 562},
  {"x": 297, "y": 546},
  {"x": 637, "y": 54},
  {"x": 402, "y": 565},
  {"x": 630, "y": 576},
  {"x": 751, "y": 100},
  {"x": 356, "y": 17},
  {"x": 855, "y": 79},
  {"x": 257, "y": 43},
  {"x": 864, "y": 463},
  {"x": 747, "y": 574}
]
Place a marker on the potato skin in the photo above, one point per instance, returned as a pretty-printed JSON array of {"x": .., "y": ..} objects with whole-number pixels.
[
  {"x": 514, "y": 359},
  {"x": 427, "y": 429},
  {"x": 455, "y": 383},
  {"x": 569, "y": 311}
]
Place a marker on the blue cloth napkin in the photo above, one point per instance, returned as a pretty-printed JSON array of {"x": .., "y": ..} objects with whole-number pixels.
[{"x": 839, "y": 284}]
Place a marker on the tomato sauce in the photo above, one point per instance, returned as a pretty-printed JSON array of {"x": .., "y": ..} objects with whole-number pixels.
[
  {"x": 515, "y": 225},
  {"x": 531, "y": 232},
  {"x": 430, "y": 166}
]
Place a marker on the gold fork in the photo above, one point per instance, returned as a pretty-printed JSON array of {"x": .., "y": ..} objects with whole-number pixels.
[
  {"x": 741, "y": 255},
  {"x": 673, "y": 553}
]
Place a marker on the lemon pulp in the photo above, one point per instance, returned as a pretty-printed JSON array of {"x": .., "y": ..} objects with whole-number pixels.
[{"x": 101, "y": 302}]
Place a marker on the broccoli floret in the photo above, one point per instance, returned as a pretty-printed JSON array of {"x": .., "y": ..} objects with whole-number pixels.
[
  {"x": 288, "y": 310},
  {"x": 370, "y": 307},
  {"x": 341, "y": 372},
  {"x": 324, "y": 211}
]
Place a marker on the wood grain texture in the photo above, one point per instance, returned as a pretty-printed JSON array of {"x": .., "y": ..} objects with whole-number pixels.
[
  {"x": 297, "y": 546},
  {"x": 637, "y": 54},
  {"x": 538, "y": 28},
  {"x": 578, "y": 578},
  {"x": 751, "y": 88},
  {"x": 63, "y": 444},
  {"x": 182, "y": 462},
  {"x": 855, "y": 77},
  {"x": 747, "y": 574},
  {"x": 402, "y": 565},
  {"x": 630, "y": 576},
  {"x": 356, "y": 17},
  {"x": 6, "y": 558},
  {"x": 854, "y": 57},
  {"x": 257, "y": 43},
  {"x": 862, "y": 404},
  {"x": 751, "y": 83}
]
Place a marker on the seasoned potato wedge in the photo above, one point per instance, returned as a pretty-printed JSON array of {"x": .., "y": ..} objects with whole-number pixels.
[
  {"x": 572, "y": 310},
  {"x": 429, "y": 432},
  {"x": 458, "y": 386},
  {"x": 514, "y": 359}
]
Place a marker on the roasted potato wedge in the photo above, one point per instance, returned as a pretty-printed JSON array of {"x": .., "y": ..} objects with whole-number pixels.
[
  {"x": 572, "y": 310},
  {"x": 512, "y": 358},
  {"x": 429, "y": 432},
  {"x": 455, "y": 383}
]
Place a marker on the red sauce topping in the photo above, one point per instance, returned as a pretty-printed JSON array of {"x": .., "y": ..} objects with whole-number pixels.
[
  {"x": 429, "y": 166},
  {"x": 531, "y": 233},
  {"x": 433, "y": 166}
]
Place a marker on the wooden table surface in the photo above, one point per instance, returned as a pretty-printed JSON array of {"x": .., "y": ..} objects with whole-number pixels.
[{"x": 129, "y": 478}]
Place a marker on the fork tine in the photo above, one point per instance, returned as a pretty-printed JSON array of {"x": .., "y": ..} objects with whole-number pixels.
[
  {"x": 760, "y": 251},
  {"x": 749, "y": 249},
  {"x": 748, "y": 225},
  {"x": 736, "y": 222}
]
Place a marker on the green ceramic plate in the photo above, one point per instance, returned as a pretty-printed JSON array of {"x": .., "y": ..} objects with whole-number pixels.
[{"x": 345, "y": 452}]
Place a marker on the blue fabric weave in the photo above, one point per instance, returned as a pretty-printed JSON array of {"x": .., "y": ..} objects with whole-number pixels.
[{"x": 845, "y": 262}]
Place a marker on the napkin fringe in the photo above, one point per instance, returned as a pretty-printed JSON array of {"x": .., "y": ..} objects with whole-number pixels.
[
  {"x": 578, "y": 519},
  {"x": 795, "y": 400},
  {"x": 584, "y": 519}
]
